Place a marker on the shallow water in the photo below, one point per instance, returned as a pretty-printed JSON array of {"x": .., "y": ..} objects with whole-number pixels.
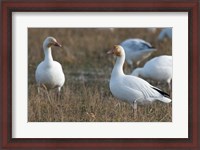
[{"x": 85, "y": 76}]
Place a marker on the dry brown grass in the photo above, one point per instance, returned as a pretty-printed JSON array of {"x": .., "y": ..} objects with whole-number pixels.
[{"x": 85, "y": 95}]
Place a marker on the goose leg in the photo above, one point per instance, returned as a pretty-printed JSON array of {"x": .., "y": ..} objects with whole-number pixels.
[
  {"x": 134, "y": 106},
  {"x": 47, "y": 93},
  {"x": 170, "y": 87},
  {"x": 58, "y": 93},
  {"x": 38, "y": 90},
  {"x": 118, "y": 105}
]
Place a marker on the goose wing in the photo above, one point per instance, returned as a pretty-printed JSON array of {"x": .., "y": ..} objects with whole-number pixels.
[
  {"x": 147, "y": 90},
  {"x": 136, "y": 45}
]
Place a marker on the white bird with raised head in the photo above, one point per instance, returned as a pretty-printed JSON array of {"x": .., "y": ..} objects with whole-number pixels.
[
  {"x": 130, "y": 88},
  {"x": 49, "y": 73}
]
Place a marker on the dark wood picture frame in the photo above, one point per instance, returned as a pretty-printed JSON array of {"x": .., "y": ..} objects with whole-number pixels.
[{"x": 190, "y": 6}]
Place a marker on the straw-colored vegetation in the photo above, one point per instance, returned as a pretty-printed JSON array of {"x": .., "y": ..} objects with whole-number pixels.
[{"x": 85, "y": 95}]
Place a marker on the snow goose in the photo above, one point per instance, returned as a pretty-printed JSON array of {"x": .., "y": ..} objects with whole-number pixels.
[
  {"x": 130, "y": 88},
  {"x": 136, "y": 50},
  {"x": 49, "y": 73},
  {"x": 165, "y": 33},
  {"x": 158, "y": 69}
]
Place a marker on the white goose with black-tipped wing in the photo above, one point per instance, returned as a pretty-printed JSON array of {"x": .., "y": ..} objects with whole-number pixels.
[
  {"x": 50, "y": 72},
  {"x": 130, "y": 88},
  {"x": 136, "y": 50}
]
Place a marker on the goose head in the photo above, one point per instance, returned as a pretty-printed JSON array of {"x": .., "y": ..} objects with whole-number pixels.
[
  {"x": 137, "y": 72},
  {"x": 117, "y": 51},
  {"x": 51, "y": 41}
]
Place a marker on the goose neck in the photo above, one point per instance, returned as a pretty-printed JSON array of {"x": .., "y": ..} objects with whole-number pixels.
[
  {"x": 48, "y": 55},
  {"x": 118, "y": 68},
  {"x": 138, "y": 72}
]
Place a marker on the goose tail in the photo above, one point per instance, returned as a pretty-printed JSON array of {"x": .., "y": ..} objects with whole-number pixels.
[{"x": 166, "y": 100}]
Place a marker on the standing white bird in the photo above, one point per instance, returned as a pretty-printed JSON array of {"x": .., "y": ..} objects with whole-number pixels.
[
  {"x": 158, "y": 69},
  {"x": 165, "y": 33},
  {"x": 49, "y": 72},
  {"x": 130, "y": 88},
  {"x": 136, "y": 50}
]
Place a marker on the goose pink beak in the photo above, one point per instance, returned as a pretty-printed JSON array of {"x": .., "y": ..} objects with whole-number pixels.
[
  {"x": 110, "y": 52},
  {"x": 57, "y": 44}
]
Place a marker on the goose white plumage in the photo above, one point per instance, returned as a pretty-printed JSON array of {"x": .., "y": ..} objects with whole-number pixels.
[
  {"x": 158, "y": 69},
  {"x": 49, "y": 72},
  {"x": 165, "y": 33},
  {"x": 130, "y": 88},
  {"x": 136, "y": 50}
]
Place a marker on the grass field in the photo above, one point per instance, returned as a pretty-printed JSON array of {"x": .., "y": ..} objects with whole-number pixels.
[{"x": 85, "y": 95}]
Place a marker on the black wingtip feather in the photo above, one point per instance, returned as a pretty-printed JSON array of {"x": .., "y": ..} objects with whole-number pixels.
[{"x": 161, "y": 92}]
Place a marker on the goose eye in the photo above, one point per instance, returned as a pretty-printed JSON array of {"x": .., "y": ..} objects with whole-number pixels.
[{"x": 49, "y": 44}]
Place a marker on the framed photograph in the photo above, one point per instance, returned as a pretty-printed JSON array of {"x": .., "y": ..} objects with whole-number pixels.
[{"x": 62, "y": 88}]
